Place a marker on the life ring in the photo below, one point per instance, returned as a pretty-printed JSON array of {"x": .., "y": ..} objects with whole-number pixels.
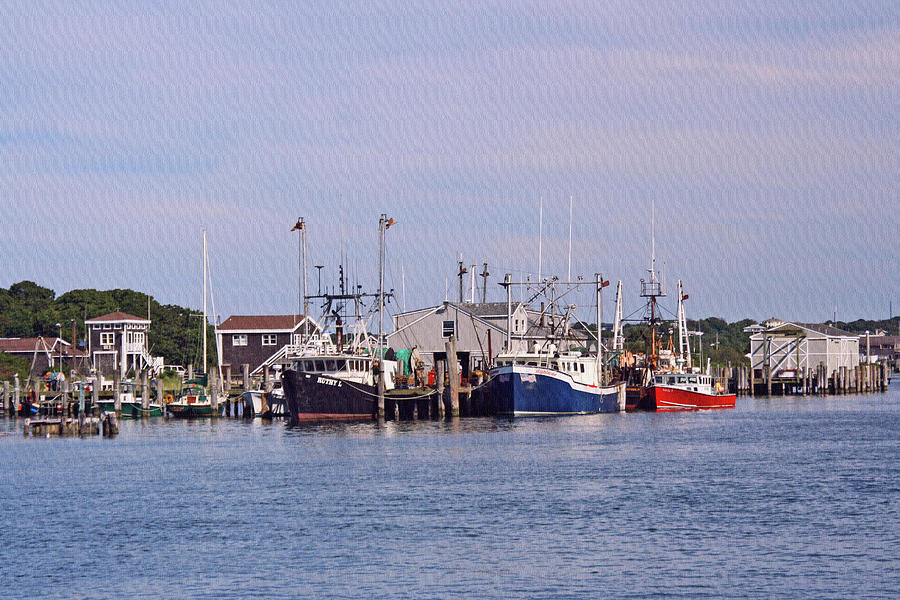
[
  {"x": 719, "y": 387},
  {"x": 169, "y": 399}
]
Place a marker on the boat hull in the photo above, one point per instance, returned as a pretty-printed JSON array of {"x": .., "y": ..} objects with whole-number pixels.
[
  {"x": 131, "y": 409},
  {"x": 665, "y": 399},
  {"x": 521, "y": 390},
  {"x": 189, "y": 411},
  {"x": 316, "y": 397}
]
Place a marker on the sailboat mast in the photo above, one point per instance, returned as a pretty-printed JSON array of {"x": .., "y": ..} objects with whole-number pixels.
[{"x": 204, "y": 300}]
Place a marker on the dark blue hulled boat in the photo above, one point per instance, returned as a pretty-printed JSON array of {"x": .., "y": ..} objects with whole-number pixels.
[
  {"x": 544, "y": 380},
  {"x": 542, "y": 384}
]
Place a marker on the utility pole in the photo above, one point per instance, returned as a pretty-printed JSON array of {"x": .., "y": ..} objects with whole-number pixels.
[{"x": 484, "y": 275}]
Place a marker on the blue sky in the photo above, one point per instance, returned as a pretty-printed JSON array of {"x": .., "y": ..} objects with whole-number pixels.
[{"x": 765, "y": 132}]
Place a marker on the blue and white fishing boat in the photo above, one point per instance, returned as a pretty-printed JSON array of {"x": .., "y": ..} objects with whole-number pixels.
[{"x": 546, "y": 381}]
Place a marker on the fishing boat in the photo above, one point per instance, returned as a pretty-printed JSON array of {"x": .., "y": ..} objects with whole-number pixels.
[
  {"x": 259, "y": 403},
  {"x": 341, "y": 377},
  {"x": 676, "y": 384},
  {"x": 192, "y": 401},
  {"x": 686, "y": 391},
  {"x": 547, "y": 381},
  {"x": 130, "y": 405}
]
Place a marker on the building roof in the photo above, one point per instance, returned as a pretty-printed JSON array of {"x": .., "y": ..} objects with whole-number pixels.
[
  {"x": 116, "y": 316},
  {"x": 789, "y": 327},
  {"x": 28, "y": 344},
  {"x": 262, "y": 323},
  {"x": 486, "y": 309},
  {"x": 827, "y": 329}
]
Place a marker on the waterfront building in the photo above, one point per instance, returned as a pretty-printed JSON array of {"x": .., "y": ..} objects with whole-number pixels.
[
  {"x": 44, "y": 354},
  {"x": 259, "y": 340},
  {"x": 119, "y": 342},
  {"x": 787, "y": 349},
  {"x": 479, "y": 329}
]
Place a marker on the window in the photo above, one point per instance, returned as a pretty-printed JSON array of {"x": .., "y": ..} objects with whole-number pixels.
[
  {"x": 320, "y": 365},
  {"x": 269, "y": 339},
  {"x": 107, "y": 326},
  {"x": 106, "y": 339},
  {"x": 448, "y": 329},
  {"x": 582, "y": 367},
  {"x": 239, "y": 340}
]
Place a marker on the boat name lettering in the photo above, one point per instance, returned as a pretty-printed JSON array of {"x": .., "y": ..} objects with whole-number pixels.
[{"x": 326, "y": 381}]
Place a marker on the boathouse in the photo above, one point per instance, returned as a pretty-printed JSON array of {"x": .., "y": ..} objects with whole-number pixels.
[
  {"x": 260, "y": 340},
  {"x": 787, "y": 350},
  {"x": 44, "y": 354},
  {"x": 479, "y": 330},
  {"x": 119, "y": 342}
]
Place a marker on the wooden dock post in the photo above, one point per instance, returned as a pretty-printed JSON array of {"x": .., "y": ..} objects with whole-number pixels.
[
  {"x": 439, "y": 382},
  {"x": 17, "y": 392},
  {"x": 190, "y": 372},
  {"x": 117, "y": 393},
  {"x": 6, "y": 397},
  {"x": 768, "y": 379},
  {"x": 95, "y": 394},
  {"x": 245, "y": 372},
  {"x": 267, "y": 387},
  {"x": 145, "y": 394},
  {"x": 453, "y": 375},
  {"x": 227, "y": 383},
  {"x": 160, "y": 393},
  {"x": 752, "y": 381},
  {"x": 213, "y": 380}
]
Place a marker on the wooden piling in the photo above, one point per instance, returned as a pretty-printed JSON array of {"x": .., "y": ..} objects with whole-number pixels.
[
  {"x": 439, "y": 381},
  {"x": 95, "y": 393},
  {"x": 752, "y": 381},
  {"x": 190, "y": 372},
  {"x": 453, "y": 375},
  {"x": 768, "y": 379},
  {"x": 160, "y": 393},
  {"x": 6, "y": 398},
  {"x": 213, "y": 379},
  {"x": 117, "y": 397},
  {"x": 245, "y": 373},
  {"x": 145, "y": 394}
]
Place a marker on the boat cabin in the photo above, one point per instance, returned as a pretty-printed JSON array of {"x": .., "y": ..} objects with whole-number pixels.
[
  {"x": 351, "y": 368},
  {"x": 582, "y": 369},
  {"x": 687, "y": 381}
]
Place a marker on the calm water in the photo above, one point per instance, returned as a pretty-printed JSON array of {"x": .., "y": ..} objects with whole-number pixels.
[{"x": 777, "y": 498}]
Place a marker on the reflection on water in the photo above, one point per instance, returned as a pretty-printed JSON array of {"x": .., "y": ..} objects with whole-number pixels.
[{"x": 779, "y": 497}]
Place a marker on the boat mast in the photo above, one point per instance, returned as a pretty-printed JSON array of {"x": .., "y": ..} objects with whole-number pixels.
[
  {"x": 506, "y": 283},
  {"x": 305, "y": 316},
  {"x": 540, "y": 236},
  {"x": 618, "y": 339},
  {"x": 684, "y": 346},
  {"x": 599, "y": 329},
  {"x": 569, "y": 276},
  {"x": 204, "y": 301},
  {"x": 652, "y": 289}
]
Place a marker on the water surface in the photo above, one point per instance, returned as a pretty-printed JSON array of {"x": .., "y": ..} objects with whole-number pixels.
[{"x": 781, "y": 497}]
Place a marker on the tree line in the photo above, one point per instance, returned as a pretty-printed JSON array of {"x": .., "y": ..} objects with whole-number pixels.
[{"x": 30, "y": 310}]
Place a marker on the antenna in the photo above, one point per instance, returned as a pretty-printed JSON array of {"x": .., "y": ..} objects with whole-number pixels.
[
  {"x": 570, "y": 240},
  {"x": 540, "y": 235}
]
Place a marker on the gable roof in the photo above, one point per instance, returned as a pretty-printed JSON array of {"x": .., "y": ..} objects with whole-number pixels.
[
  {"x": 263, "y": 323},
  {"x": 486, "y": 309},
  {"x": 116, "y": 316},
  {"x": 26, "y": 345},
  {"x": 789, "y": 327}
]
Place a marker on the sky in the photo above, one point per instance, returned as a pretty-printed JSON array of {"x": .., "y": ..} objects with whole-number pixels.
[{"x": 766, "y": 134}]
